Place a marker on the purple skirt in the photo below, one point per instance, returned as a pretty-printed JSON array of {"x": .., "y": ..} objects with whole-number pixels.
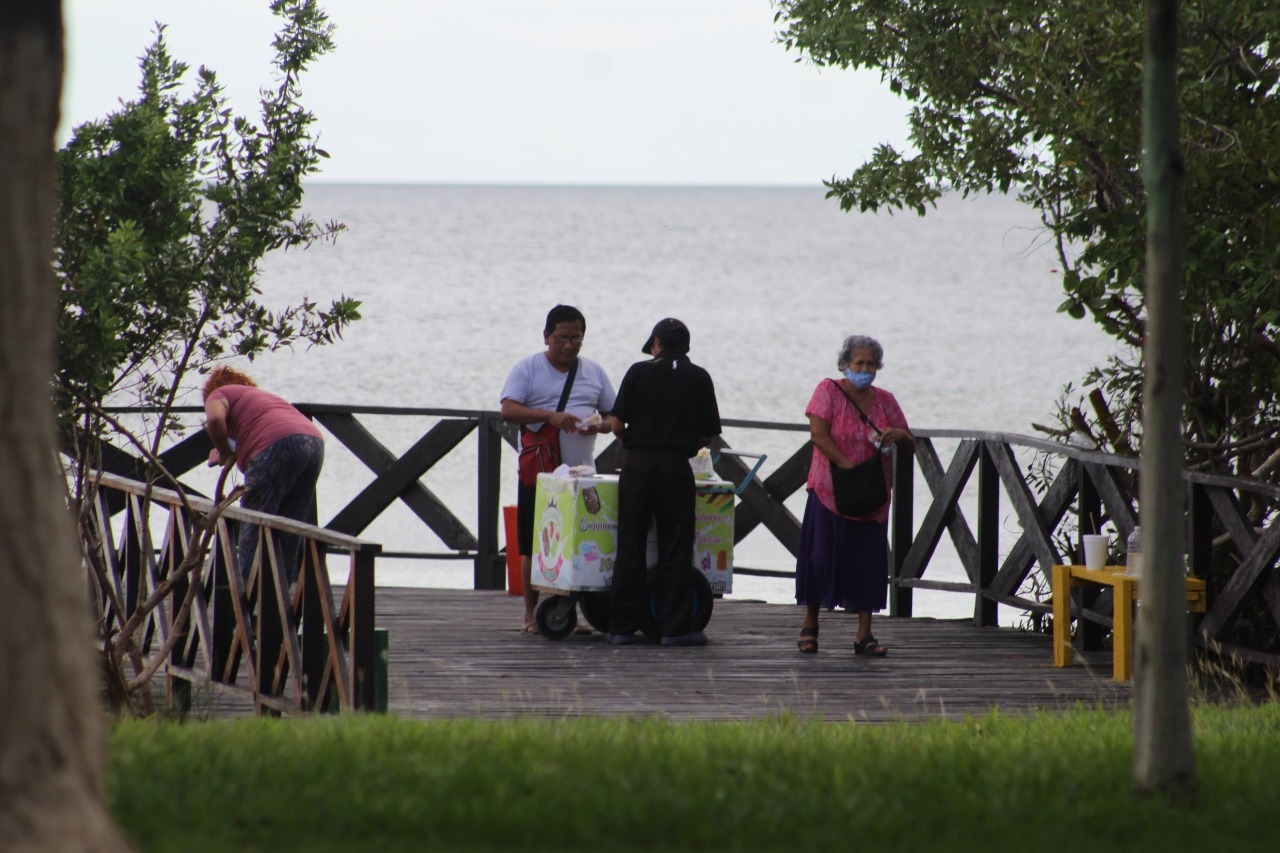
[{"x": 841, "y": 562}]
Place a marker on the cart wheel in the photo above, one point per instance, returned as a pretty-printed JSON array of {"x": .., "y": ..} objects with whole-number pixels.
[
  {"x": 703, "y": 599},
  {"x": 595, "y": 609},
  {"x": 700, "y": 603},
  {"x": 556, "y": 617}
]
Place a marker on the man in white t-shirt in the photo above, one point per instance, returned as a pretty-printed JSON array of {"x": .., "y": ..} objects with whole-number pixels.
[{"x": 530, "y": 397}]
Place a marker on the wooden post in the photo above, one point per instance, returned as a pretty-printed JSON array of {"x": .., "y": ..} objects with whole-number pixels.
[
  {"x": 178, "y": 689},
  {"x": 270, "y": 634},
  {"x": 1089, "y": 634},
  {"x": 490, "y": 565},
  {"x": 223, "y": 651},
  {"x": 1060, "y": 584},
  {"x": 901, "y": 521},
  {"x": 364, "y": 652},
  {"x": 1200, "y": 530},
  {"x": 314, "y": 639},
  {"x": 984, "y": 609},
  {"x": 1164, "y": 760}
]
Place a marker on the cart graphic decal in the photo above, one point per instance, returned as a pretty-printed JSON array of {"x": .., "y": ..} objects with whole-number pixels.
[{"x": 550, "y": 558}]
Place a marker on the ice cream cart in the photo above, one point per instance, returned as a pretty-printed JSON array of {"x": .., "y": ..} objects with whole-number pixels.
[{"x": 575, "y": 530}]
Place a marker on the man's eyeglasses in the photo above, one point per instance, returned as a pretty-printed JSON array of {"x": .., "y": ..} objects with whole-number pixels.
[{"x": 567, "y": 339}]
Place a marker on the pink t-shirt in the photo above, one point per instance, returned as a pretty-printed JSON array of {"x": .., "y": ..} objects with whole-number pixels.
[
  {"x": 852, "y": 435},
  {"x": 257, "y": 419}
]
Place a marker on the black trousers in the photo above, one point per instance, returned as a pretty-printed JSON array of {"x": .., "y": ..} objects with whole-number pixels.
[{"x": 655, "y": 486}]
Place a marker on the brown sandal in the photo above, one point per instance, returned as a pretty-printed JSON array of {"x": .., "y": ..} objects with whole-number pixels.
[
  {"x": 808, "y": 642},
  {"x": 868, "y": 645}
]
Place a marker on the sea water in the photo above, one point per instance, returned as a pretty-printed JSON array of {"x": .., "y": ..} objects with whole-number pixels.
[{"x": 456, "y": 282}]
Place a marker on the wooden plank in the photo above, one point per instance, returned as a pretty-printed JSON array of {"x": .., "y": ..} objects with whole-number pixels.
[
  {"x": 1242, "y": 581},
  {"x": 199, "y": 642},
  {"x": 791, "y": 476},
  {"x": 1199, "y": 530},
  {"x": 178, "y": 459},
  {"x": 1089, "y": 516},
  {"x": 957, "y": 525},
  {"x": 1114, "y": 495},
  {"x": 1022, "y": 558},
  {"x": 940, "y": 511},
  {"x": 360, "y": 594},
  {"x": 400, "y": 478},
  {"x": 458, "y": 653},
  {"x": 337, "y": 674},
  {"x": 191, "y": 452},
  {"x": 780, "y": 485},
  {"x": 946, "y": 586},
  {"x": 987, "y": 557},
  {"x": 489, "y": 568},
  {"x": 609, "y": 461},
  {"x": 167, "y": 498},
  {"x": 1271, "y": 595},
  {"x": 314, "y": 639},
  {"x": 901, "y": 531},
  {"x": 1033, "y": 523},
  {"x": 757, "y": 500},
  {"x": 1227, "y": 507}
]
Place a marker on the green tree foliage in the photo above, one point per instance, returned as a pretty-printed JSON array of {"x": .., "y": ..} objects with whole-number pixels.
[
  {"x": 1043, "y": 99},
  {"x": 165, "y": 209}
]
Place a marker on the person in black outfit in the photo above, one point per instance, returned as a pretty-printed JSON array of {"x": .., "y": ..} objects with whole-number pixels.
[{"x": 665, "y": 410}]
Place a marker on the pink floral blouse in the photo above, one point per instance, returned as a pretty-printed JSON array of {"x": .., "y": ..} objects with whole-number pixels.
[{"x": 852, "y": 435}]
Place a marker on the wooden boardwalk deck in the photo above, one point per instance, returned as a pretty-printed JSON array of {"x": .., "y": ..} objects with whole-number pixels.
[{"x": 459, "y": 653}]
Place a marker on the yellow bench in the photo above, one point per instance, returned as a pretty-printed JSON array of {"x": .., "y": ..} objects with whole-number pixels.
[{"x": 1065, "y": 578}]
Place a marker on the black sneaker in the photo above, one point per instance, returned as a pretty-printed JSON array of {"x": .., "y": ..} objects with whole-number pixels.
[{"x": 621, "y": 639}]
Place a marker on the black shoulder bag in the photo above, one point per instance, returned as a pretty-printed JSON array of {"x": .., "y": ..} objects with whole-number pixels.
[
  {"x": 859, "y": 490},
  {"x": 540, "y": 448}
]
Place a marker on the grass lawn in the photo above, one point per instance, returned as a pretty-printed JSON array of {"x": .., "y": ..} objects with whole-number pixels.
[{"x": 1045, "y": 782}]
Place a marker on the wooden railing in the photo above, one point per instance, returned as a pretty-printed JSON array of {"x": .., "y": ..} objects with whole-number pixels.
[
  {"x": 1071, "y": 485},
  {"x": 287, "y": 649}
]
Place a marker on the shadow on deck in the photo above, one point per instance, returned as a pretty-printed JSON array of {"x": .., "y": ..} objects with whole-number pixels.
[{"x": 459, "y": 653}]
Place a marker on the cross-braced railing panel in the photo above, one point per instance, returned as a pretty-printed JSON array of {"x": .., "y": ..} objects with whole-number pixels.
[
  {"x": 285, "y": 644},
  {"x": 1072, "y": 493}
]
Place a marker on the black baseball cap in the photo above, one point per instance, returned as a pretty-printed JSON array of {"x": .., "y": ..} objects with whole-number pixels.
[{"x": 673, "y": 334}]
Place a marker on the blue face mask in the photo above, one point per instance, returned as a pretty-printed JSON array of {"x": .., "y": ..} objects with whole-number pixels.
[{"x": 859, "y": 379}]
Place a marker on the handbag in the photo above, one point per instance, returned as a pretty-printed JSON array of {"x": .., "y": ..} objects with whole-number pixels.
[
  {"x": 859, "y": 490},
  {"x": 540, "y": 448}
]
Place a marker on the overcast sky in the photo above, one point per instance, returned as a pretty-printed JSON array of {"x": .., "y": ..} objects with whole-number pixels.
[{"x": 519, "y": 91}]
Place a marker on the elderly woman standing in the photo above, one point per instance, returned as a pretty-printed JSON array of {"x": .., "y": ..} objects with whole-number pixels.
[
  {"x": 844, "y": 561},
  {"x": 276, "y": 447}
]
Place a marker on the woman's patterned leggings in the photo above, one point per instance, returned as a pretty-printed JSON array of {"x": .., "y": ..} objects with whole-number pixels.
[{"x": 282, "y": 481}]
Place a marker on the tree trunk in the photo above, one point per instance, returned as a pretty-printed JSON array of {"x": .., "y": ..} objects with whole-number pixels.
[
  {"x": 53, "y": 737},
  {"x": 1164, "y": 760}
]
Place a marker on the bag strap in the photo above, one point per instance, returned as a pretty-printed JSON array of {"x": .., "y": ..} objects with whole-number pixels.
[
  {"x": 564, "y": 395},
  {"x": 849, "y": 397},
  {"x": 560, "y": 406},
  {"x": 568, "y": 386}
]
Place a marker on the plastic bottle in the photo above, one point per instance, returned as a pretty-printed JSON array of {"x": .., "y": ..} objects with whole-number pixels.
[{"x": 1133, "y": 553}]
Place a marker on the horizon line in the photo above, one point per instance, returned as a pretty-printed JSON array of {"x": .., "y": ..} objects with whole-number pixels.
[{"x": 560, "y": 184}]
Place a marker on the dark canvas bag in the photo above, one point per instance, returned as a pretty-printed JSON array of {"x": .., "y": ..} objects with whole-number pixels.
[
  {"x": 859, "y": 490},
  {"x": 540, "y": 448}
]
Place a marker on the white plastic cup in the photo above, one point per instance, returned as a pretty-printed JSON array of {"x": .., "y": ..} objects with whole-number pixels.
[{"x": 1095, "y": 552}]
